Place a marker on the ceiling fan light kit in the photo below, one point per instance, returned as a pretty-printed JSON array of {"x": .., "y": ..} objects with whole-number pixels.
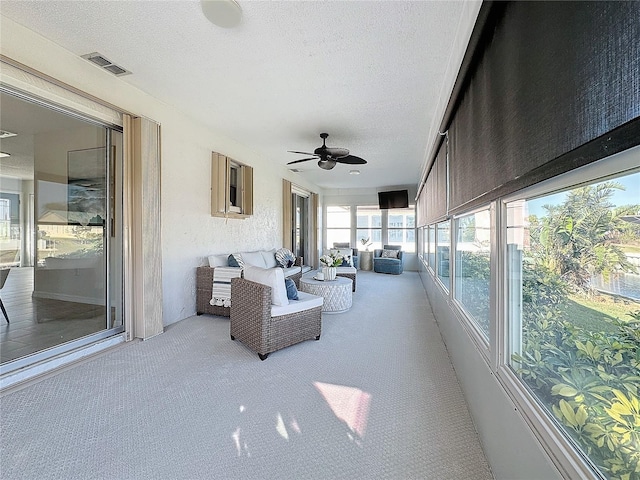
[
  {"x": 326, "y": 164},
  {"x": 328, "y": 157},
  {"x": 223, "y": 13}
]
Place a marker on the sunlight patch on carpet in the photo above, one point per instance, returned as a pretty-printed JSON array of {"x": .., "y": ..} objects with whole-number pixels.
[{"x": 349, "y": 404}]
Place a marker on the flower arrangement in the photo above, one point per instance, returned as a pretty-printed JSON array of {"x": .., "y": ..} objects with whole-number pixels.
[
  {"x": 366, "y": 243},
  {"x": 331, "y": 260}
]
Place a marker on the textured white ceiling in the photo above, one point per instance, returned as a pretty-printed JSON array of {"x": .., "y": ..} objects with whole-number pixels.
[{"x": 370, "y": 73}]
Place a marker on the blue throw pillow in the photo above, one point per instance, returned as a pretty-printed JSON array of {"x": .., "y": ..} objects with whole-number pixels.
[
  {"x": 235, "y": 261},
  {"x": 292, "y": 291}
]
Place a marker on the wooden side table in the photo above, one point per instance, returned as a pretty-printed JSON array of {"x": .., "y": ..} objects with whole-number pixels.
[{"x": 366, "y": 260}]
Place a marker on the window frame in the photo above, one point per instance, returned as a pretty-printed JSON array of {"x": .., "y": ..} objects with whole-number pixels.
[
  {"x": 570, "y": 461},
  {"x": 436, "y": 270},
  {"x": 221, "y": 206},
  {"x": 482, "y": 341},
  {"x": 431, "y": 241}
]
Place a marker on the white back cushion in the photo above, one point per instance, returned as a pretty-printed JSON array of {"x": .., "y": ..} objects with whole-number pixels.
[
  {"x": 271, "y": 277},
  {"x": 253, "y": 258},
  {"x": 347, "y": 254},
  {"x": 219, "y": 260},
  {"x": 269, "y": 257}
]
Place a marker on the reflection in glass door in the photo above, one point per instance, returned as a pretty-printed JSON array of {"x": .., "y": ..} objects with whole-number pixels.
[
  {"x": 71, "y": 169},
  {"x": 300, "y": 224}
]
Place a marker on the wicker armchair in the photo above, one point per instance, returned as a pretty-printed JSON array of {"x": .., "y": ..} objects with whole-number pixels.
[
  {"x": 347, "y": 272},
  {"x": 253, "y": 325}
]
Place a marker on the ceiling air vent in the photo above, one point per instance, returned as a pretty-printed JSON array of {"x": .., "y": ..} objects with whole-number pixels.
[{"x": 105, "y": 63}]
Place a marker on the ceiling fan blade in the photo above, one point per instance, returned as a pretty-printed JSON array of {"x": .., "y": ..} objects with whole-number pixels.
[
  {"x": 301, "y": 153},
  {"x": 303, "y": 160},
  {"x": 337, "y": 152},
  {"x": 326, "y": 164},
  {"x": 351, "y": 160}
]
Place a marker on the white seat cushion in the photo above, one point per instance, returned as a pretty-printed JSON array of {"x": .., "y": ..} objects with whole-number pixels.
[
  {"x": 305, "y": 302},
  {"x": 290, "y": 271},
  {"x": 271, "y": 277}
]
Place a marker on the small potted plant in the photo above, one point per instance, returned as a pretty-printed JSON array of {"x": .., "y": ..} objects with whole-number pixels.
[{"x": 366, "y": 243}]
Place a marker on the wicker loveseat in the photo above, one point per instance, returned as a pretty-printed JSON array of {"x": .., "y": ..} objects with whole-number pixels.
[
  {"x": 262, "y": 258},
  {"x": 262, "y": 317}
]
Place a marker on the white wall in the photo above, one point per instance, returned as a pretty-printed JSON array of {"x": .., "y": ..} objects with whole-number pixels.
[
  {"x": 189, "y": 233},
  {"x": 364, "y": 196},
  {"x": 508, "y": 443}
]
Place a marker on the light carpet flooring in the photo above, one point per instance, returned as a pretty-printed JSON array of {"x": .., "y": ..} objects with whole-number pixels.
[{"x": 375, "y": 398}]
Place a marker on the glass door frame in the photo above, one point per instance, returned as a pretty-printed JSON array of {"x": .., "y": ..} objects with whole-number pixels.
[{"x": 108, "y": 331}]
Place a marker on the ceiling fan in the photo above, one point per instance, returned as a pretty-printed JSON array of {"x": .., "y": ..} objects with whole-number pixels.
[{"x": 328, "y": 156}]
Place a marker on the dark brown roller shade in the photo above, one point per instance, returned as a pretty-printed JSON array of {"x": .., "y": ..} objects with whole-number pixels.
[
  {"x": 435, "y": 189},
  {"x": 553, "y": 86}
]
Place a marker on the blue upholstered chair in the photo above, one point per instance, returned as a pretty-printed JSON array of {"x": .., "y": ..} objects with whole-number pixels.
[{"x": 387, "y": 265}]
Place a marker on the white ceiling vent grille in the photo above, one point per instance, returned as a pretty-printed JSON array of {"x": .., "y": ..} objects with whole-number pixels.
[{"x": 103, "y": 62}]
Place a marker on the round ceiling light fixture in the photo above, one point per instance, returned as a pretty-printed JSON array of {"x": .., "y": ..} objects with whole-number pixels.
[
  {"x": 354, "y": 172},
  {"x": 223, "y": 13}
]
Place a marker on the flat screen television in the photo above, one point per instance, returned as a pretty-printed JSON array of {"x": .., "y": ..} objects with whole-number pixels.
[{"x": 393, "y": 199}]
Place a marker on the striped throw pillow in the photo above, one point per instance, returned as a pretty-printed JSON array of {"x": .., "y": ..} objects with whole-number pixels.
[{"x": 285, "y": 258}]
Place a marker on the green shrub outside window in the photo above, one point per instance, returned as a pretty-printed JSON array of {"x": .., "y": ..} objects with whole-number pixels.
[
  {"x": 578, "y": 348},
  {"x": 472, "y": 276}
]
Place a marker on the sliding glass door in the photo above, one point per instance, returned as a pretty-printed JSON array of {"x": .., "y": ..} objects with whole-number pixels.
[{"x": 60, "y": 230}]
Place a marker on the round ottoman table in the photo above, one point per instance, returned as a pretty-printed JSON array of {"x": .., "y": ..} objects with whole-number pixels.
[{"x": 336, "y": 293}]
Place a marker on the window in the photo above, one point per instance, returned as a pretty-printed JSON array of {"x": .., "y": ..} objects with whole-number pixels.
[
  {"x": 401, "y": 228},
  {"x": 443, "y": 241},
  {"x": 472, "y": 274},
  {"x": 235, "y": 187},
  {"x": 5, "y": 218},
  {"x": 574, "y": 314},
  {"x": 338, "y": 225},
  {"x": 369, "y": 225},
  {"x": 231, "y": 188},
  {"x": 431, "y": 239}
]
